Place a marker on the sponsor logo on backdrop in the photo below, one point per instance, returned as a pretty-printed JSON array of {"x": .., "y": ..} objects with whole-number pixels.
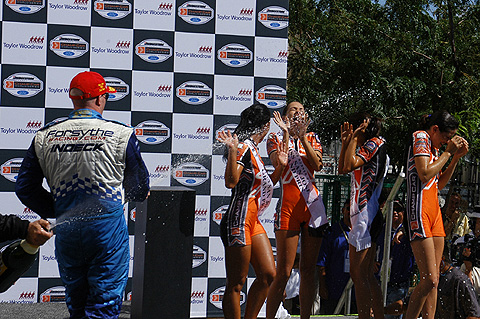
[
  {"x": 152, "y": 132},
  {"x": 160, "y": 172},
  {"x": 203, "y": 52},
  {"x": 23, "y": 85},
  {"x": 244, "y": 95},
  {"x": 227, "y": 127},
  {"x": 77, "y": 5},
  {"x": 280, "y": 58},
  {"x": 199, "y": 256},
  {"x": 164, "y": 9},
  {"x": 113, "y": 9},
  {"x": 235, "y": 55},
  {"x": 69, "y": 46},
  {"x": 273, "y": 96},
  {"x": 28, "y": 214},
  {"x": 275, "y": 18},
  {"x": 194, "y": 92},
  {"x": 216, "y": 297},
  {"x": 245, "y": 14},
  {"x": 25, "y": 6},
  {"x": 129, "y": 296},
  {"x": 197, "y": 297},
  {"x": 132, "y": 214},
  {"x": 191, "y": 174},
  {"x": 54, "y": 294},
  {"x": 27, "y": 296},
  {"x": 121, "y": 47},
  {"x": 163, "y": 91},
  {"x": 34, "y": 43},
  {"x": 123, "y": 89},
  {"x": 153, "y": 50},
  {"x": 195, "y": 12},
  {"x": 31, "y": 127},
  {"x": 200, "y": 215},
  {"x": 217, "y": 215},
  {"x": 11, "y": 168}
]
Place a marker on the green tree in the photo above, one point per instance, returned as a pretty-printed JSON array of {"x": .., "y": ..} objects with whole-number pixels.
[{"x": 398, "y": 61}]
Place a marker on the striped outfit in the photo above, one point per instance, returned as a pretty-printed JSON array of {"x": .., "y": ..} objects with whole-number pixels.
[
  {"x": 423, "y": 211},
  {"x": 240, "y": 222}
]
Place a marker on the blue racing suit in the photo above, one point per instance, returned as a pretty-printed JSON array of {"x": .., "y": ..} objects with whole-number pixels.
[{"x": 92, "y": 166}]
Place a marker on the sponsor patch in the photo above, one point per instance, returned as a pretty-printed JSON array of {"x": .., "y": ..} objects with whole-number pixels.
[
  {"x": 273, "y": 17},
  {"x": 153, "y": 50},
  {"x": 194, "y": 92},
  {"x": 195, "y": 12},
  {"x": 273, "y": 96},
  {"x": 123, "y": 89},
  {"x": 113, "y": 9},
  {"x": 199, "y": 256},
  {"x": 152, "y": 132},
  {"x": 25, "y": 6},
  {"x": 235, "y": 55},
  {"x": 191, "y": 174},
  {"x": 69, "y": 46},
  {"x": 11, "y": 168},
  {"x": 23, "y": 85}
]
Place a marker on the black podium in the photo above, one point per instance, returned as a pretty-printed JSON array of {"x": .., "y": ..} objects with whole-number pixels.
[{"x": 162, "y": 265}]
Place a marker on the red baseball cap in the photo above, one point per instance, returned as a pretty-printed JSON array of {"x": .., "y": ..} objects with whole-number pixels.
[{"x": 91, "y": 84}]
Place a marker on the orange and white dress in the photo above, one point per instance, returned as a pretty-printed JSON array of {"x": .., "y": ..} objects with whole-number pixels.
[
  {"x": 301, "y": 203},
  {"x": 249, "y": 199},
  {"x": 423, "y": 211}
]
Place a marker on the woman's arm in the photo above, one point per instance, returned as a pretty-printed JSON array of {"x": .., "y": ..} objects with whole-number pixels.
[
  {"x": 233, "y": 169},
  {"x": 352, "y": 161},
  {"x": 426, "y": 171},
  {"x": 314, "y": 157}
]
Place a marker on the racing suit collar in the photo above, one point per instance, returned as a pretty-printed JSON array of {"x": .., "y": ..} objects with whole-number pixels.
[{"x": 85, "y": 113}]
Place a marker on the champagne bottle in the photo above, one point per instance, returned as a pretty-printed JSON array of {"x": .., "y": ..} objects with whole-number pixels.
[{"x": 15, "y": 260}]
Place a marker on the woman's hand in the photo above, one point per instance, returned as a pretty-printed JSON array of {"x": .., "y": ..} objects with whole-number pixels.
[
  {"x": 346, "y": 133},
  {"x": 231, "y": 141},
  {"x": 300, "y": 124},
  {"x": 282, "y": 154},
  {"x": 284, "y": 125},
  {"x": 361, "y": 128}
]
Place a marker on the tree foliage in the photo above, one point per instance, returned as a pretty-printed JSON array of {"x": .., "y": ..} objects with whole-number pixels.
[{"x": 398, "y": 61}]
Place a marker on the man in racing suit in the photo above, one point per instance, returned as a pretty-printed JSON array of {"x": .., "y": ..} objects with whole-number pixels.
[{"x": 92, "y": 166}]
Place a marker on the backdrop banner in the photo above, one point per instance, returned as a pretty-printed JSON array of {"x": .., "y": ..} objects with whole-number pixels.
[{"x": 183, "y": 70}]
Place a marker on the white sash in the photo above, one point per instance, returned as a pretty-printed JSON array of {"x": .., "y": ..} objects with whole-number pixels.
[
  {"x": 266, "y": 187},
  {"x": 312, "y": 197}
]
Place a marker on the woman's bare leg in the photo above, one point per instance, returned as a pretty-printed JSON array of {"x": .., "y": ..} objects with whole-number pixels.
[
  {"x": 264, "y": 265},
  {"x": 287, "y": 242},
  {"x": 310, "y": 247},
  {"x": 237, "y": 260}
]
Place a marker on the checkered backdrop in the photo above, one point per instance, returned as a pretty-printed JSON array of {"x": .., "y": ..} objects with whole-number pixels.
[{"x": 183, "y": 71}]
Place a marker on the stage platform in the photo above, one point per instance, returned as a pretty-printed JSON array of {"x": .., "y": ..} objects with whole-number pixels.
[{"x": 59, "y": 311}]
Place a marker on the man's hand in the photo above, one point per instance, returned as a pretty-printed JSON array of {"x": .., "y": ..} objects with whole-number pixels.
[{"x": 37, "y": 233}]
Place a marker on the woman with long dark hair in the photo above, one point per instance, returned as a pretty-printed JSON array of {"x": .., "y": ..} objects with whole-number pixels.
[
  {"x": 368, "y": 166},
  {"x": 424, "y": 179},
  {"x": 242, "y": 234}
]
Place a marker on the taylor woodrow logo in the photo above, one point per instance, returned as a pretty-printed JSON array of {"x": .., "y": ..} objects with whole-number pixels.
[
  {"x": 25, "y": 6},
  {"x": 153, "y": 50},
  {"x": 273, "y": 17},
  {"x": 235, "y": 55},
  {"x": 23, "y": 85},
  {"x": 152, "y": 132},
  {"x": 69, "y": 46},
  {"x": 194, "y": 92},
  {"x": 195, "y": 12},
  {"x": 113, "y": 9}
]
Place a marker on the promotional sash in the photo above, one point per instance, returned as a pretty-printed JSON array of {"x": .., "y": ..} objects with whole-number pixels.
[
  {"x": 312, "y": 197},
  {"x": 266, "y": 188}
]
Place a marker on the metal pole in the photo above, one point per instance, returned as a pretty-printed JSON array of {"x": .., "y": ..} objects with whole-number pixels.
[
  {"x": 388, "y": 213},
  {"x": 343, "y": 298}
]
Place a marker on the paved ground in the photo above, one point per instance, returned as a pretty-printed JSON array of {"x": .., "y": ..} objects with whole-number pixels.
[{"x": 59, "y": 311}]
